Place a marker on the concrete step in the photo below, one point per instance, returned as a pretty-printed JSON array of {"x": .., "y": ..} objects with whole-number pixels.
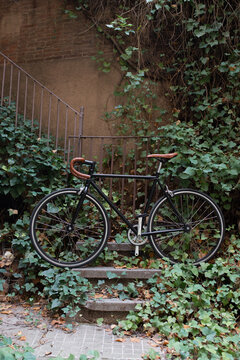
[
  {"x": 111, "y": 309},
  {"x": 104, "y": 272},
  {"x": 122, "y": 247},
  {"x": 112, "y": 304}
]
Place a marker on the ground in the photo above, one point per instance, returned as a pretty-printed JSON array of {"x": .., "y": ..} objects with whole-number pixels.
[{"x": 51, "y": 337}]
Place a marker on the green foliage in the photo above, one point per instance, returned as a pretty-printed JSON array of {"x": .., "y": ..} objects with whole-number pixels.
[
  {"x": 196, "y": 308},
  {"x": 103, "y": 64},
  {"x": 134, "y": 116},
  {"x": 152, "y": 355},
  {"x": 8, "y": 351},
  {"x": 205, "y": 161},
  {"x": 29, "y": 166},
  {"x": 63, "y": 289},
  {"x": 194, "y": 46},
  {"x": 29, "y": 169}
]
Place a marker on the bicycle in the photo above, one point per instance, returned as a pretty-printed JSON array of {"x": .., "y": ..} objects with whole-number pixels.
[{"x": 70, "y": 227}]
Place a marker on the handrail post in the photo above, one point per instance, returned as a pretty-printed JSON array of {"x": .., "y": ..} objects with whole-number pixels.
[{"x": 81, "y": 117}]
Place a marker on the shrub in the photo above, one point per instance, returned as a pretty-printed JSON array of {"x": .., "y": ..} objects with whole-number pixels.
[
  {"x": 195, "y": 308},
  {"x": 29, "y": 166}
]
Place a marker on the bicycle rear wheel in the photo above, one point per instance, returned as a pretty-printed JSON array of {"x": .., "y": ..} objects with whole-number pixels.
[
  {"x": 60, "y": 243},
  {"x": 202, "y": 217}
]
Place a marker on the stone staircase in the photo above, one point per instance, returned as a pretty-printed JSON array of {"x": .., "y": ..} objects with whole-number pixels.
[{"x": 111, "y": 308}]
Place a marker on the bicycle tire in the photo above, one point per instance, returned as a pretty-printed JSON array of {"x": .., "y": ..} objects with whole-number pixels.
[
  {"x": 201, "y": 214},
  {"x": 50, "y": 232}
]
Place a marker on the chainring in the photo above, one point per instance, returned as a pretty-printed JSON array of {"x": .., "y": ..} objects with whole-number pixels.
[{"x": 135, "y": 239}]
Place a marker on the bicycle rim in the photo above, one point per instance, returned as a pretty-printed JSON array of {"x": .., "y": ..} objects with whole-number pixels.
[
  {"x": 53, "y": 237},
  {"x": 203, "y": 217}
]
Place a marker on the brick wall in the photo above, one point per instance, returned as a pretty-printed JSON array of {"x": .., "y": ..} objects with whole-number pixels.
[
  {"x": 56, "y": 50},
  {"x": 32, "y": 30}
]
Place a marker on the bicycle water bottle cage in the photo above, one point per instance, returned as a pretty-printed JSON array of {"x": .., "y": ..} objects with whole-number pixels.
[{"x": 76, "y": 173}]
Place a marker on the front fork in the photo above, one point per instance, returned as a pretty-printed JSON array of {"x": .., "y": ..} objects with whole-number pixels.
[{"x": 83, "y": 192}]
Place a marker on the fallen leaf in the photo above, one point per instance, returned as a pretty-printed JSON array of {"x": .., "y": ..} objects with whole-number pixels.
[
  {"x": 13, "y": 211},
  {"x": 165, "y": 342},
  {"x": 147, "y": 294},
  {"x": 6, "y": 312},
  {"x": 135, "y": 340},
  {"x": 120, "y": 340},
  {"x": 42, "y": 326},
  {"x": 98, "y": 296},
  {"x": 120, "y": 267},
  {"x": 153, "y": 344},
  {"x": 5, "y": 307},
  {"x": 22, "y": 338},
  {"x": 66, "y": 329},
  {"x": 57, "y": 322}
]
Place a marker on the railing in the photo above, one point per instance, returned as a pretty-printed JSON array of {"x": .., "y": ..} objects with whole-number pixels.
[
  {"x": 36, "y": 102},
  {"x": 114, "y": 154},
  {"x": 122, "y": 155}
]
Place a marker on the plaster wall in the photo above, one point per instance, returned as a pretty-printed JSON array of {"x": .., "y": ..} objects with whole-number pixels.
[{"x": 57, "y": 51}]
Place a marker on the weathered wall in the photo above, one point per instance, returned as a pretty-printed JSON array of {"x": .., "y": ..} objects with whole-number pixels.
[{"x": 57, "y": 51}]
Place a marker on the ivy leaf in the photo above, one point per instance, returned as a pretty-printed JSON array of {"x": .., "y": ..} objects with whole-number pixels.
[
  {"x": 111, "y": 275},
  {"x": 200, "y": 32},
  {"x": 56, "y": 303},
  {"x": 7, "y": 354},
  {"x": 29, "y": 356}
]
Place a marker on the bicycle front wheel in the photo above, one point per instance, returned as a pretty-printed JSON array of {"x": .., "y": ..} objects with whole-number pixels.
[
  {"x": 203, "y": 223},
  {"x": 62, "y": 243}
]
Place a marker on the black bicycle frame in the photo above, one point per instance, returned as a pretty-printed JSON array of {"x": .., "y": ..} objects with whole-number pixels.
[{"x": 91, "y": 182}]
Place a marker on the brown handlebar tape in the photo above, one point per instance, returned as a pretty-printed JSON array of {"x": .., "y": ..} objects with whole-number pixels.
[{"x": 75, "y": 172}]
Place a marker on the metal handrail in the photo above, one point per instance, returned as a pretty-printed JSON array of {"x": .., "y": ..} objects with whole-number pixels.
[
  {"x": 16, "y": 84},
  {"x": 37, "y": 82}
]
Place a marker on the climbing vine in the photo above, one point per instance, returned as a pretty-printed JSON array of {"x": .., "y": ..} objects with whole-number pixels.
[{"x": 190, "y": 48}]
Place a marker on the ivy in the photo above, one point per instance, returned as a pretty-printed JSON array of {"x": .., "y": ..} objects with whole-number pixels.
[
  {"x": 9, "y": 351},
  {"x": 30, "y": 168},
  {"x": 193, "y": 46},
  {"x": 196, "y": 309}
]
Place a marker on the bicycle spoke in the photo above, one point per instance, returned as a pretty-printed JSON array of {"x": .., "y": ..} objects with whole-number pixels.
[
  {"x": 63, "y": 242},
  {"x": 198, "y": 241}
]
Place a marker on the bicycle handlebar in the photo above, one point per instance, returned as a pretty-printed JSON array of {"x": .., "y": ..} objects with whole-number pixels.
[{"x": 77, "y": 173}]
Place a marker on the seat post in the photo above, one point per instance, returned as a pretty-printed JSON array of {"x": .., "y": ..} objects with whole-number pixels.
[{"x": 159, "y": 167}]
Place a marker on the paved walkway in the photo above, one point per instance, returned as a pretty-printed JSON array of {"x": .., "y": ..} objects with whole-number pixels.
[{"x": 48, "y": 341}]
